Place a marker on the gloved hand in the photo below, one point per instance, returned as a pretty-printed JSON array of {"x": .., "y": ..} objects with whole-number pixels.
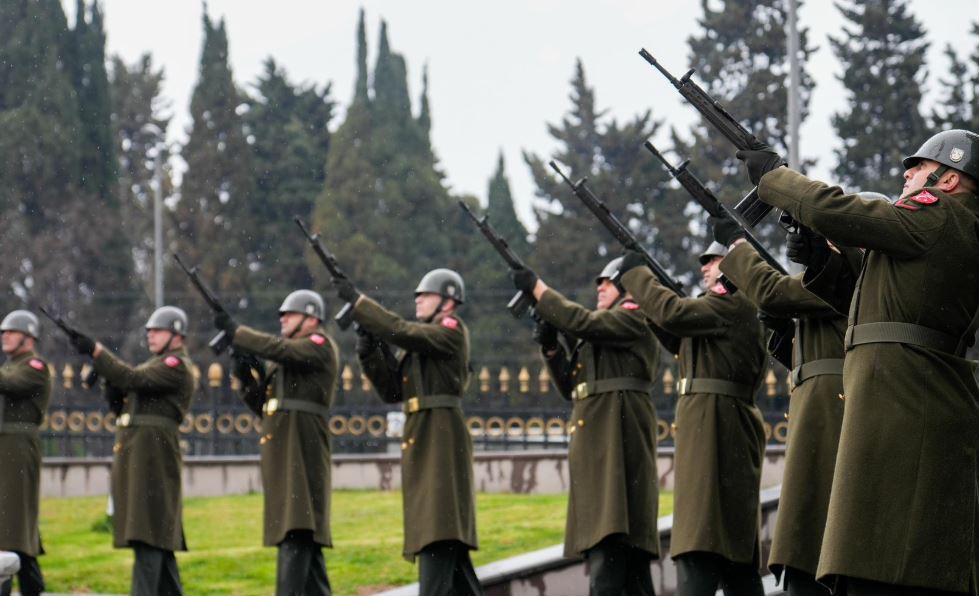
[
  {"x": 224, "y": 322},
  {"x": 524, "y": 280},
  {"x": 345, "y": 290},
  {"x": 776, "y": 324},
  {"x": 243, "y": 363},
  {"x": 82, "y": 343},
  {"x": 806, "y": 247},
  {"x": 759, "y": 160},
  {"x": 546, "y": 335},
  {"x": 725, "y": 229},
  {"x": 630, "y": 260},
  {"x": 366, "y": 342}
]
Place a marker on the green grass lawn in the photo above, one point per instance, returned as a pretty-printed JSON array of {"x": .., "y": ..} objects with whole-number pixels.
[{"x": 226, "y": 556}]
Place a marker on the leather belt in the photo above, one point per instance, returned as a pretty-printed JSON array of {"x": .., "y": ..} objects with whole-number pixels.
[
  {"x": 296, "y": 405},
  {"x": 808, "y": 370},
  {"x": 128, "y": 420},
  {"x": 593, "y": 388},
  {"x": 901, "y": 333},
  {"x": 718, "y": 386},
  {"x": 27, "y": 428},
  {"x": 427, "y": 402}
]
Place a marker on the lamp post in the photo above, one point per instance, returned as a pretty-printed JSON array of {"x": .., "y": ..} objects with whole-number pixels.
[{"x": 159, "y": 150}]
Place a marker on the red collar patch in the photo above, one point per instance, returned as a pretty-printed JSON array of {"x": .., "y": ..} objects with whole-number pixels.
[
  {"x": 317, "y": 339},
  {"x": 924, "y": 197},
  {"x": 630, "y": 305},
  {"x": 904, "y": 204},
  {"x": 172, "y": 361},
  {"x": 36, "y": 364},
  {"x": 450, "y": 322}
]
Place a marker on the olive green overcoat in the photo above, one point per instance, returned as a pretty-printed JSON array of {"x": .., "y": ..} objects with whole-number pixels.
[
  {"x": 295, "y": 445},
  {"x": 720, "y": 439},
  {"x": 436, "y": 449},
  {"x": 25, "y": 390},
  {"x": 146, "y": 467},
  {"x": 815, "y": 408},
  {"x": 612, "y": 454},
  {"x": 903, "y": 508}
]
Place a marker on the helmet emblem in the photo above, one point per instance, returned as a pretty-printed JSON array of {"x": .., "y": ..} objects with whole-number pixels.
[
  {"x": 32, "y": 329},
  {"x": 310, "y": 309},
  {"x": 451, "y": 290},
  {"x": 178, "y": 325},
  {"x": 956, "y": 154}
]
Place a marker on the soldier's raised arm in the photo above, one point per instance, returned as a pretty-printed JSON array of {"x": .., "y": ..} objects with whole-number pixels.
[{"x": 773, "y": 292}]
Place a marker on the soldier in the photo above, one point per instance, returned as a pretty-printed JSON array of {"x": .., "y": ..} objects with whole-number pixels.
[
  {"x": 609, "y": 375},
  {"x": 25, "y": 389},
  {"x": 903, "y": 507},
  {"x": 436, "y": 453},
  {"x": 146, "y": 468},
  {"x": 815, "y": 410},
  {"x": 720, "y": 439},
  {"x": 294, "y": 400}
]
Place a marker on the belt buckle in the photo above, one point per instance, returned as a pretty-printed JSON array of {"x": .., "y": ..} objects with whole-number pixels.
[
  {"x": 581, "y": 391},
  {"x": 414, "y": 404},
  {"x": 681, "y": 386},
  {"x": 272, "y": 405},
  {"x": 124, "y": 420}
]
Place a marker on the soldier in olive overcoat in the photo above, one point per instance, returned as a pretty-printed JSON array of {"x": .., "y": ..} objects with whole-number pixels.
[
  {"x": 146, "y": 467},
  {"x": 293, "y": 396},
  {"x": 614, "y": 498},
  {"x": 436, "y": 450},
  {"x": 904, "y": 506},
  {"x": 25, "y": 390},
  {"x": 720, "y": 438},
  {"x": 815, "y": 409}
]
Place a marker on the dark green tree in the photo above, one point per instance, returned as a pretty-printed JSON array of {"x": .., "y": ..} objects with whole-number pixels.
[
  {"x": 212, "y": 214},
  {"x": 882, "y": 50},
  {"x": 571, "y": 246}
]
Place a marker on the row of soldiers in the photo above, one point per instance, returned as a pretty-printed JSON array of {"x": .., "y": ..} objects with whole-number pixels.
[{"x": 880, "y": 487}]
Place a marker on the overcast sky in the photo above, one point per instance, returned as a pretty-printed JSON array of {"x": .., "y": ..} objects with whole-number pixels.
[{"x": 498, "y": 71}]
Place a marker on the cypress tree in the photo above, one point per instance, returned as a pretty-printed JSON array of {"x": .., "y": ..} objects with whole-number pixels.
[{"x": 882, "y": 51}]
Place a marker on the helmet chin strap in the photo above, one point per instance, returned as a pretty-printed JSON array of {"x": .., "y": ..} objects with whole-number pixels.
[
  {"x": 933, "y": 178},
  {"x": 166, "y": 346},
  {"x": 298, "y": 326},
  {"x": 438, "y": 309}
]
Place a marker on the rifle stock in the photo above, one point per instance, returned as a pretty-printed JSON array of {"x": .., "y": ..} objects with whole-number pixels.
[
  {"x": 345, "y": 315},
  {"x": 90, "y": 379},
  {"x": 521, "y": 301},
  {"x": 618, "y": 230},
  {"x": 220, "y": 342}
]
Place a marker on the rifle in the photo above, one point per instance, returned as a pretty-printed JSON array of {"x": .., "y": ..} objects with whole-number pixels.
[
  {"x": 751, "y": 208},
  {"x": 346, "y": 314},
  {"x": 712, "y": 205},
  {"x": 92, "y": 377},
  {"x": 220, "y": 342},
  {"x": 618, "y": 229},
  {"x": 521, "y": 301}
]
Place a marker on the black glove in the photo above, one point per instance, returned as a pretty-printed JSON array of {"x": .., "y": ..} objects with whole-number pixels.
[
  {"x": 776, "y": 324},
  {"x": 524, "y": 280},
  {"x": 725, "y": 229},
  {"x": 759, "y": 160},
  {"x": 82, "y": 343},
  {"x": 224, "y": 322},
  {"x": 243, "y": 364},
  {"x": 546, "y": 335},
  {"x": 366, "y": 342},
  {"x": 346, "y": 290},
  {"x": 806, "y": 247},
  {"x": 630, "y": 260}
]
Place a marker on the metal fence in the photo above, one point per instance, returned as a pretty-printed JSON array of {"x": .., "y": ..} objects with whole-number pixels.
[{"x": 506, "y": 408}]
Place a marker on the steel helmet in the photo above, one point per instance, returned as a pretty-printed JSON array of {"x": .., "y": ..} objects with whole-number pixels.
[
  {"x": 305, "y": 302},
  {"x": 21, "y": 320},
  {"x": 170, "y": 318},
  {"x": 611, "y": 270},
  {"x": 716, "y": 249},
  {"x": 957, "y": 149},
  {"x": 444, "y": 282}
]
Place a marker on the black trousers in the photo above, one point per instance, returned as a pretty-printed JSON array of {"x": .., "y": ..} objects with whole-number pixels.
[
  {"x": 155, "y": 572},
  {"x": 29, "y": 578},
  {"x": 801, "y": 583},
  {"x": 301, "y": 569},
  {"x": 699, "y": 574},
  {"x": 854, "y": 586},
  {"x": 445, "y": 569},
  {"x": 616, "y": 568}
]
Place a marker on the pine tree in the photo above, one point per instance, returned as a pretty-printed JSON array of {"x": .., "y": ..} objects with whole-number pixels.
[
  {"x": 882, "y": 51},
  {"x": 954, "y": 109},
  {"x": 571, "y": 246},
  {"x": 219, "y": 182}
]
